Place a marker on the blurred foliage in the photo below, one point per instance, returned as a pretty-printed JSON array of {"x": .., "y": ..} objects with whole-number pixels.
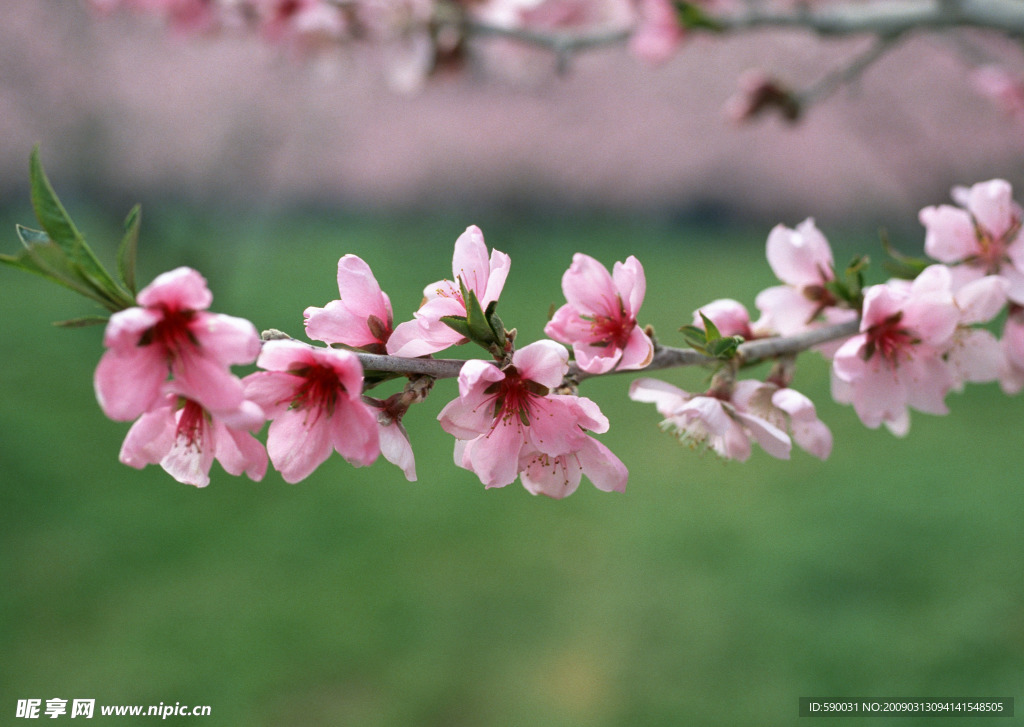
[{"x": 709, "y": 593}]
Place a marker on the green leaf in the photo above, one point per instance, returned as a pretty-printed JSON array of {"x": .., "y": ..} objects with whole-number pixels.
[
  {"x": 458, "y": 324},
  {"x": 127, "y": 254},
  {"x": 79, "y": 263},
  {"x": 692, "y": 16},
  {"x": 713, "y": 334},
  {"x": 42, "y": 256}
]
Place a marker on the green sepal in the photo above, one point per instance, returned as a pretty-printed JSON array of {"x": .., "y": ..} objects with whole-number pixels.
[
  {"x": 127, "y": 254},
  {"x": 479, "y": 326},
  {"x": 696, "y": 338},
  {"x": 851, "y": 288},
  {"x": 497, "y": 327},
  {"x": 692, "y": 16},
  {"x": 724, "y": 348},
  {"x": 458, "y": 324}
]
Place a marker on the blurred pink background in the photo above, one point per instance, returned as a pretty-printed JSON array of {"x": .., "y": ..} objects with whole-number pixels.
[{"x": 122, "y": 108}]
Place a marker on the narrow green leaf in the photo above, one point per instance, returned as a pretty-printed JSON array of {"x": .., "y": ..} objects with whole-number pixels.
[
  {"x": 127, "y": 254},
  {"x": 79, "y": 262},
  {"x": 83, "y": 322},
  {"x": 696, "y": 338},
  {"x": 49, "y": 211}
]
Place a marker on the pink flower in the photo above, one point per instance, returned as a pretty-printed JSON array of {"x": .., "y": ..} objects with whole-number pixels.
[
  {"x": 1004, "y": 88},
  {"x": 599, "y": 319},
  {"x": 1011, "y": 374},
  {"x": 508, "y": 422},
  {"x": 802, "y": 259},
  {"x": 759, "y": 93},
  {"x": 361, "y": 317},
  {"x": 729, "y": 316},
  {"x": 974, "y": 355},
  {"x": 983, "y": 239},
  {"x": 184, "y": 438},
  {"x": 314, "y": 397},
  {"x": 658, "y": 34},
  {"x": 711, "y": 420},
  {"x": 787, "y": 410},
  {"x": 306, "y": 21},
  {"x": 427, "y": 333},
  {"x": 170, "y": 333},
  {"x": 897, "y": 359}
]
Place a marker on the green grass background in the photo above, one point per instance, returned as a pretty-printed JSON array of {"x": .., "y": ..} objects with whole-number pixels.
[{"x": 710, "y": 593}]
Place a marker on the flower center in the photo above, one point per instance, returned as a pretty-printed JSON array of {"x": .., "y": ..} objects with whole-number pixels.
[
  {"x": 191, "y": 423},
  {"x": 514, "y": 397},
  {"x": 888, "y": 339},
  {"x": 320, "y": 388},
  {"x": 173, "y": 333}
]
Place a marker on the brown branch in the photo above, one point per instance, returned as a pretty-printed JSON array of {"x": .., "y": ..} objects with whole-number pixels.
[
  {"x": 665, "y": 357},
  {"x": 751, "y": 352}
]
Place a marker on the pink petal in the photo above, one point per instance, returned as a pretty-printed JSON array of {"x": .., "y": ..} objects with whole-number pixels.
[
  {"x": 470, "y": 261},
  {"x": 126, "y": 327},
  {"x": 189, "y": 461},
  {"x": 359, "y": 291},
  {"x": 602, "y": 467},
  {"x": 595, "y": 359},
  {"x": 239, "y": 452},
  {"x": 128, "y": 384},
  {"x": 545, "y": 362},
  {"x": 927, "y": 379},
  {"x": 589, "y": 288},
  {"x": 992, "y": 205},
  {"x": 631, "y": 284},
  {"x": 773, "y": 440},
  {"x": 977, "y": 356},
  {"x": 226, "y": 339},
  {"x": 151, "y": 436},
  {"x": 981, "y": 300},
  {"x": 799, "y": 257},
  {"x": 495, "y": 456},
  {"x": 949, "y": 233},
  {"x": 396, "y": 449},
  {"x": 298, "y": 442},
  {"x": 354, "y": 432},
  {"x": 207, "y": 382},
  {"x": 553, "y": 427},
  {"x": 556, "y": 477},
  {"x": 272, "y": 391},
  {"x": 639, "y": 351},
  {"x": 283, "y": 355},
  {"x": 499, "y": 269},
  {"x": 335, "y": 323},
  {"x": 666, "y": 397},
  {"x": 179, "y": 289}
]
